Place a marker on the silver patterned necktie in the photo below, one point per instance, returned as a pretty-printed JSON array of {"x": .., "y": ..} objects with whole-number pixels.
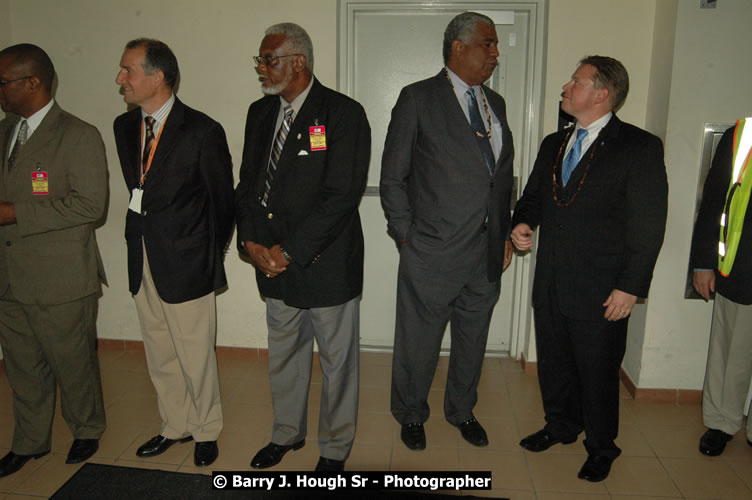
[
  {"x": 23, "y": 132},
  {"x": 279, "y": 142}
]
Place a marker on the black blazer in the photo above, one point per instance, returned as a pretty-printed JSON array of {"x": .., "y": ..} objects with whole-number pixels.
[
  {"x": 435, "y": 186},
  {"x": 736, "y": 286},
  {"x": 312, "y": 210},
  {"x": 610, "y": 235},
  {"x": 187, "y": 210}
]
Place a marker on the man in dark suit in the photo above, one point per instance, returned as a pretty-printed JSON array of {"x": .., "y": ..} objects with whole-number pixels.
[
  {"x": 722, "y": 260},
  {"x": 305, "y": 164},
  {"x": 177, "y": 167},
  {"x": 53, "y": 188},
  {"x": 598, "y": 192},
  {"x": 446, "y": 180}
]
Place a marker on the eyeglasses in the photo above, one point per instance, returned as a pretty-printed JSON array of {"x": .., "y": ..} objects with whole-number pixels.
[
  {"x": 270, "y": 61},
  {"x": 3, "y": 83}
]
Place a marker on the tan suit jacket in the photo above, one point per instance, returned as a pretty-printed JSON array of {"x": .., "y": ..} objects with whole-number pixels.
[{"x": 50, "y": 256}]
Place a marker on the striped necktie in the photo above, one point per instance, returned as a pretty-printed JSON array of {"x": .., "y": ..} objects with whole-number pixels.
[
  {"x": 23, "y": 132},
  {"x": 279, "y": 142}
]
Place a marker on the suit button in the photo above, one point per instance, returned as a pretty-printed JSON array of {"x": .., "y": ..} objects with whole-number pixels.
[
  {"x": 7, "y": 243},
  {"x": 144, "y": 214},
  {"x": 270, "y": 216}
]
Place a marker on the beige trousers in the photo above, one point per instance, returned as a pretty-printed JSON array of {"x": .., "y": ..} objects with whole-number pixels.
[
  {"x": 729, "y": 367},
  {"x": 179, "y": 343}
]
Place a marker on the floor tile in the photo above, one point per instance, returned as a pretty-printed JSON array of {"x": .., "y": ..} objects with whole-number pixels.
[
  {"x": 706, "y": 478},
  {"x": 640, "y": 476},
  {"x": 558, "y": 473}
]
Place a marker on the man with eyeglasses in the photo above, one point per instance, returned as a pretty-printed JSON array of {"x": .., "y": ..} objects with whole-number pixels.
[
  {"x": 304, "y": 169},
  {"x": 53, "y": 188},
  {"x": 178, "y": 171},
  {"x": 446, "y": 183}
]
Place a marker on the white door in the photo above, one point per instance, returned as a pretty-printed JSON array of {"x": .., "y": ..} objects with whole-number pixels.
[{"x": 383, "y": 48}]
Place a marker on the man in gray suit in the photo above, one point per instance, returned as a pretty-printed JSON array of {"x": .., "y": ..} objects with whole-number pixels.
[
  {"x": 446, "y": 180},
  {"x": 53, "y": 187}
]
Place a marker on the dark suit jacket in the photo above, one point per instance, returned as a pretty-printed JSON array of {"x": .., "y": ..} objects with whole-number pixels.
[
  {"x": 435, "y": 187},
  {"x": 736, "y": 286},
  {"x": 186, "y": 212},
  {"x": 312, "y": 210},
  {"x": 610, "y": 235},
  {"x": 50, "y": 255}
]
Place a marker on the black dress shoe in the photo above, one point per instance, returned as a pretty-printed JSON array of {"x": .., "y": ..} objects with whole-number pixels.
[
  {"x": 473, "y": 432},
  {"x": 11, "y": 462},
  {"x": 158, "y": 445},
  {"x": 205, "y": 453},
  {"x": 414, "y": 436},
  {"x": 543, "y": 440},
  {"x": 81, "y": 450},
  {"x": 272, "y": 454},
  {"x": 330, "y": 465},
  {"x": 595, "y": 468},
  {"x": 713, "y": 442}
]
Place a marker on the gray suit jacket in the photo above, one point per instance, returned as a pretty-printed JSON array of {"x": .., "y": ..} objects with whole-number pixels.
[
  {"x": 50, "y": 256},
  {"x": 435, "y": 187}
]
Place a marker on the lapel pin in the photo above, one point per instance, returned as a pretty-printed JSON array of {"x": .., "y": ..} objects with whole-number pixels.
[
  {"x": 316, "y": 122},
  {"x": 298, "y": 135}
]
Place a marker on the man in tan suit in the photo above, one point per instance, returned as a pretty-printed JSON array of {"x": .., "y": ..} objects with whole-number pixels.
[{"x": 53, "y": 188}]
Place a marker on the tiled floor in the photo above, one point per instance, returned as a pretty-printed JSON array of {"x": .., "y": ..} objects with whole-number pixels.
[{"x": 659, "y": 440}]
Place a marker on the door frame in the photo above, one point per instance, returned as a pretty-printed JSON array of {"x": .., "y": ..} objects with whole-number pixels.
[{"x": 526, "y": 140}]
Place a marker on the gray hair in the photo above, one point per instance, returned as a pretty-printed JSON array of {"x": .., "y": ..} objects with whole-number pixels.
[
  {"x": 462, "y": 28},
  {"x": 299, "y": 40}
]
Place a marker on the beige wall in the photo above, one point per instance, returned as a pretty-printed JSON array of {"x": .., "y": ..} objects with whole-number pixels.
[{"x": 710, "y": 82}]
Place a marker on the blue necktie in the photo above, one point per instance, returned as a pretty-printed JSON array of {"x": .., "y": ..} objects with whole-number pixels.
[
  {"x": 573, "y": 158},
  {"x": 476, "y": 123}
]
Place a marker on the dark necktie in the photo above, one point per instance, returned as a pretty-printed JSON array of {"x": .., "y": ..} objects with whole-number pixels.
[
  {"x": 476, "y": 122},
  {"x": 573, "y": 158},
  {"x": 279, "y": 142},
  {"x": 23, "y": 132},
  {"x": 148, "y": 139}
]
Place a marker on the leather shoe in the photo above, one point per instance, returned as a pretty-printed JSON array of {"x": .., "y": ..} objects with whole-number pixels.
[
  {"x": 272, "y": 454},
  {"x": 473, "y": 432},
  {"x": 11, "y": 462},
  {"x": 414, "y": 436},
  {"x": 81, "y": 450},
  {"x": 330, "y": 465},
  {"x": 713, "y": 442},
  {"x": 205, "y": 453},
  {"x": 543, "y": 440},
  {"x": 595, "y": 468},
  {"x": 158, "y": 445}
]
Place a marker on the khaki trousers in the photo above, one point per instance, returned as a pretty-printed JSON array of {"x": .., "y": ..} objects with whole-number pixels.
[
  {"x": 179, "y": 343},
  {"x": 729, "y": 367}
]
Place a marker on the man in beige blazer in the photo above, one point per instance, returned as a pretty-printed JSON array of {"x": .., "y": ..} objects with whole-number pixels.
[{"x": 53, "y": 188}]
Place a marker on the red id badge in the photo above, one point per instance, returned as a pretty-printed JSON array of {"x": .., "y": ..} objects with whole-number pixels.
[
  {"x": 318, "y": 137},
  {"x": 39, "y": 183}
]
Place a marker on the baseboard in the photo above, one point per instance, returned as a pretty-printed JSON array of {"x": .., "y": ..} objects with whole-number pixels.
[
  {"x": 252, "y": 353},
  {"x": 529, "y": 367},
  {"x": 681, "y": 396}
]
